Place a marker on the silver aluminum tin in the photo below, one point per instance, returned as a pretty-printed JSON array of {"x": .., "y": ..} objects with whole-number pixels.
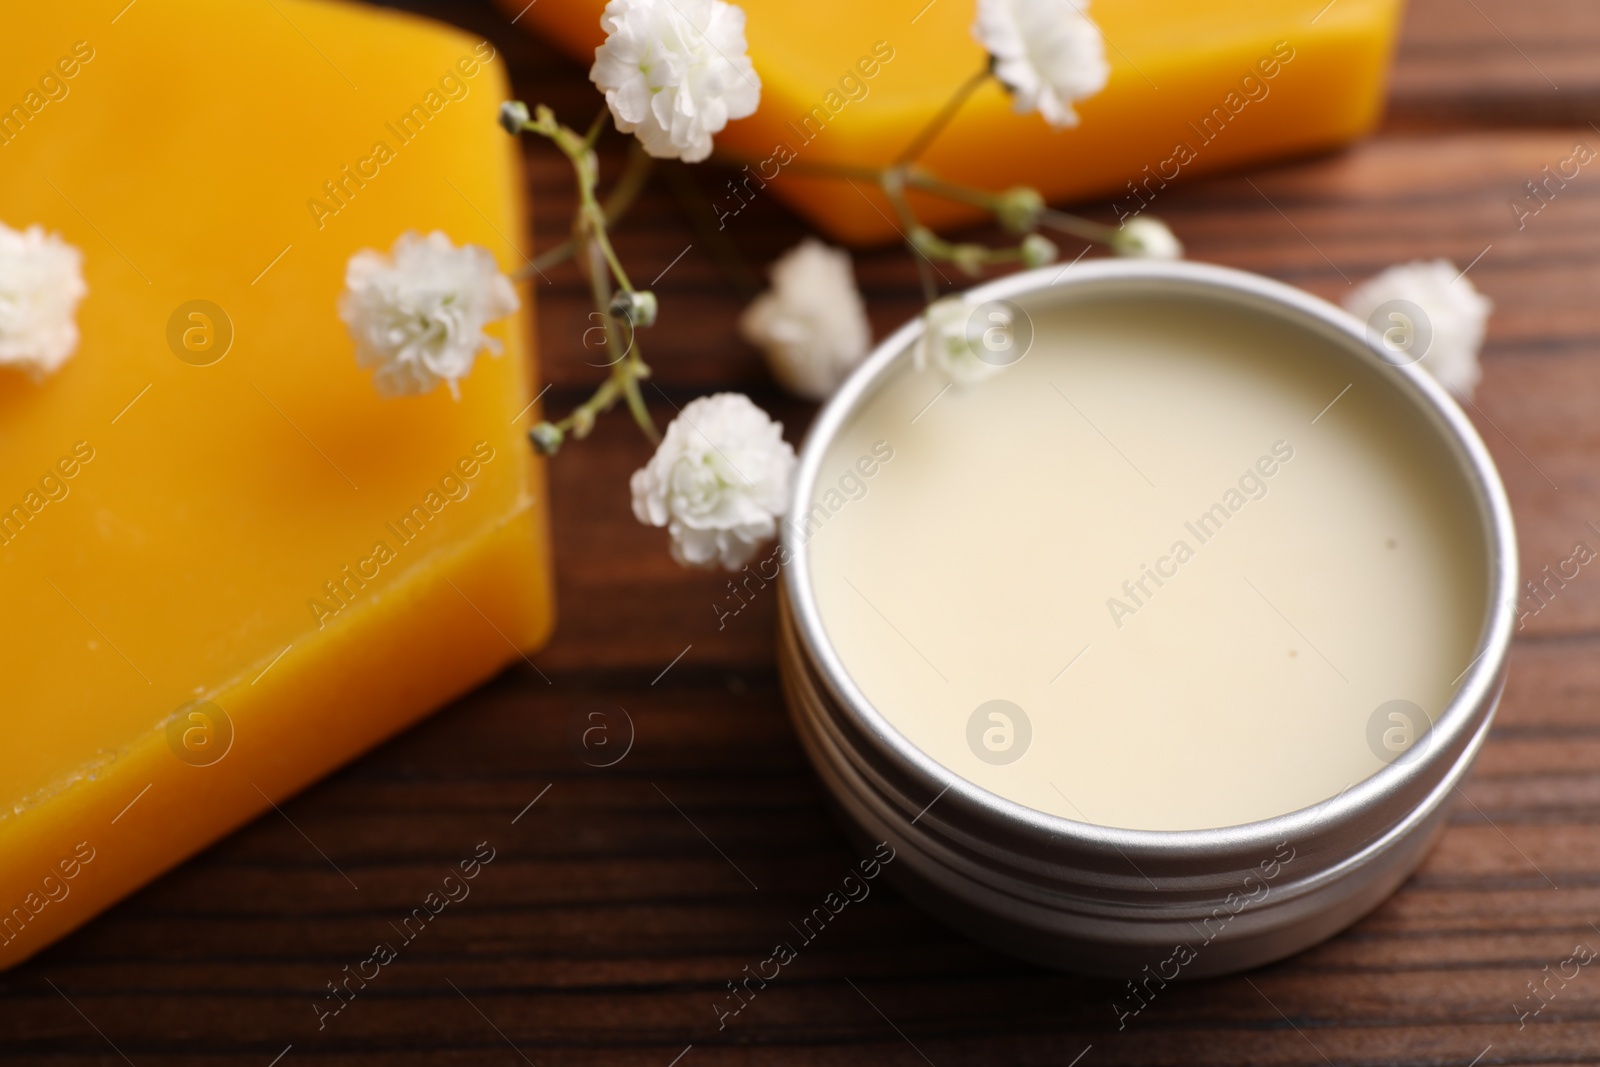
[{"x": 1108, "y": 901}]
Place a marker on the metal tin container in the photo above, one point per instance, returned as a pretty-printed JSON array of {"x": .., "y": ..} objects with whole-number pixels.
[{"x": 1118, "y": 902}]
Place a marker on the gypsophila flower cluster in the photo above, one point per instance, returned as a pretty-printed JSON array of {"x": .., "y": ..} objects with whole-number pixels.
[
  {"x": 1048, "y": 53},
  {"x": 674, "y": 72},
  {"x": 417, "y": 315},
  {"x": 1457, "y": 316},
  {"x": 948, "y": 345},
  {"x": 812, "y": 324},
  {"x": 719, "y": 482},
  {"x": 41, "y": 283},
  {"x": 1143, "y": 237}
]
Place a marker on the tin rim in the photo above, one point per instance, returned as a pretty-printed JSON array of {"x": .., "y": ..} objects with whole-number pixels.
[{"x": 1455, "y": 726}]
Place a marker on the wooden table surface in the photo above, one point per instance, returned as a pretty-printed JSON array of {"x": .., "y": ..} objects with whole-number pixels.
[{"x": 619, "y": 905}]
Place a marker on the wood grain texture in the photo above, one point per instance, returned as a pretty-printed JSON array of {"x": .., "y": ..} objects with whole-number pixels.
[
  {"x": 1503, "y": 62},
  {"x": 619, "y": 905}
]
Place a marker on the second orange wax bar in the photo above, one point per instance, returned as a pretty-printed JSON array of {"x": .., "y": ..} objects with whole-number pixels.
[
  {"x": 228, "y": 564},
  {"x": 1195, "y": 88}
]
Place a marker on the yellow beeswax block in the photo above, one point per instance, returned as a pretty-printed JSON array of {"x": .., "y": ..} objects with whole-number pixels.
[
  {"x": 1195, "y": 88},
  {"x": 228, "y": 565}
]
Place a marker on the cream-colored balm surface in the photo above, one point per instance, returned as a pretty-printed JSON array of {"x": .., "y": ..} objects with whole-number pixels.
[{"x": 1172, "y": 570}]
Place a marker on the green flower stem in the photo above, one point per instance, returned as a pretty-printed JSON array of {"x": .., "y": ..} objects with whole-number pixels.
[
  {"x": 641, "y": 414},
  {"x": 627, "y": 365},
  {"x": 594, "y": 217},
  {"x": 597, "y": 127},
  {"x": 545, "y": 260},
  {"x": 623, "y": 196},
  {"x": 580, "y": 152},
  {"x": 970, "y": 258},
  {"x": 601, "y": 265},
  {"x": 936, "y": 125},
  {"x": 581, "y": 419},
  {"x": 1074, "y": 226},
  {"x": 892, "y": 182},
  {"x": 928, "y": 183},
  {"x": 1019, "y": 210}
]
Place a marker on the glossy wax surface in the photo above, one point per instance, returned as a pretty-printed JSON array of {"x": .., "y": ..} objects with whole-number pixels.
[
  {"x": 183, "y": 515},
  {"x": 1194, "y": 88},
  {"x": 1192, "y": 581}
]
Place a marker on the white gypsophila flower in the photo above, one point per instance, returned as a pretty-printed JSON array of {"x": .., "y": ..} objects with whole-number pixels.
[
  {"x": 812, "y": 324},
  {"x": 1455, "y": 315},
  {"x": 948, "y": 342},
  {"x": 1048, "y": 53},
  {"x": 1146, "y": 238},
  {"x": 417, "y": 314},
  {"x": 674, "y": 72},
  {"x": 41, "y": 282},
  {"x": 719, "y": 482}
]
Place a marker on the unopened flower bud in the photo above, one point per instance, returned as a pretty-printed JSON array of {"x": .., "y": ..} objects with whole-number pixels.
[
  {"x": 1038, "y": 250},
  {"x": 546, "y": 438},
  {"x": 1146, "y": 238},
  {"x": 969, "y": 258},
  {"x": 637, "y": 307},
  {"x": 513, "y": 116},
  {"x": 1019, "y": 209}
]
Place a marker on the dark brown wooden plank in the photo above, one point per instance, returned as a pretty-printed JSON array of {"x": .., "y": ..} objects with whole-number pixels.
[
  {"x": 607, "y": 924},
  {"x": 1510, "y": 62}
]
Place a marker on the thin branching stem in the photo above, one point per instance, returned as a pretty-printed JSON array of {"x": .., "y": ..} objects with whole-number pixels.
[
  {"x": 623, "y": 196},
  {"x": 923, "y": 181},
  {"x": 627, "y": 363},
  {"x": 1075, "y": 226},
  {"x": 601, "y": 266},
  {"x": 597, "y": 127},
  {"x": 936, "y": 125},
  {"x": 590, "y": 241}
]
